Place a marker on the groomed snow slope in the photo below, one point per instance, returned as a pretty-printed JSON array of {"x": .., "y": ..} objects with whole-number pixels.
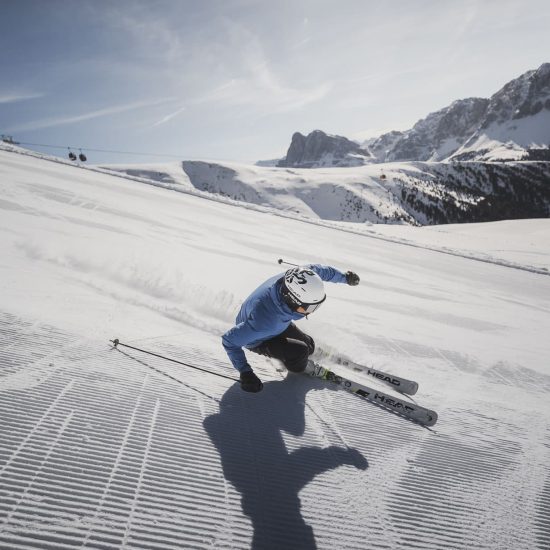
[
  {"x": 524, "y": 244},
  {"x": 109, "y": 449}
]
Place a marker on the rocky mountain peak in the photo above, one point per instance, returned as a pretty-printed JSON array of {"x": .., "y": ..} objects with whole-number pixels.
[
  {"x": 321, "y": 149},
  {"x": 473, "y": 127}
]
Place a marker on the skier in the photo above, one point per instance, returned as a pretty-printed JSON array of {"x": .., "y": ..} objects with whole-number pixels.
[{"x": 265, "y": 325}]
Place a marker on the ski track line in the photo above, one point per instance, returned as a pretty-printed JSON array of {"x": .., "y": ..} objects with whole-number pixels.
[
  {"x": 438, "y": 462},
  {"x": 81, "y": 495},
  {"x": 51, "y": 447},
  {"x": 141, "y": 475},
  {"x": 106, "y": 455},
  {"x": 36, "y": 427},
  {"x": 282, "y": 214},
  {"x": 117, "y": 462}
]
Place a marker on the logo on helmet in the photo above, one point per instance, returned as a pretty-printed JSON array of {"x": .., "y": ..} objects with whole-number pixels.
[{"x": 297, "y": 275}]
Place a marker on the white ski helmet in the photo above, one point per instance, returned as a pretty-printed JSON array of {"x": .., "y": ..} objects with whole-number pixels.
[{"x": 302, "y": 287}]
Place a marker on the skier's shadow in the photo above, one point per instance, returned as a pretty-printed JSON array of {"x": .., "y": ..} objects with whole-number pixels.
[{"x": 255, "y": 459}]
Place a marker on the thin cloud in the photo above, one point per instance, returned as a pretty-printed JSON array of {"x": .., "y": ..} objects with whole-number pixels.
[
  {"x": 150, "y": 31},
  {"x": 13, "y": 98},
  {"x": 61, "y": 121},
  {"x": 169, "y": 116},
  {"x": 263, "y": 91},
  {"x": 259, "y": 87}
]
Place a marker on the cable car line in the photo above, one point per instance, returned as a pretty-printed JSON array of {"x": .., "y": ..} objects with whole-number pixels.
[{"x": 99, "y": 150}]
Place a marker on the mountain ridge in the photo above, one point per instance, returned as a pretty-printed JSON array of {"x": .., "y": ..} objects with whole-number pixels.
[{"x": 512, "y": 124}]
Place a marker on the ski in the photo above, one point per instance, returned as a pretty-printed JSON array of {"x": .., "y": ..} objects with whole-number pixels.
[
  {"x": 400, "y": 384},
  {"x": 409, "y": 410}
]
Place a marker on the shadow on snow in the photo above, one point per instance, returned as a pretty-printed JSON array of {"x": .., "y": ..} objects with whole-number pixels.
[{"x": 255, "y": 459}]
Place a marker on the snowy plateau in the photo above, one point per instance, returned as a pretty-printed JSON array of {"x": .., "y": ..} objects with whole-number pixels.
[
  {"x": 415, "y": 193},
  {"x": 105, "y": 448}
]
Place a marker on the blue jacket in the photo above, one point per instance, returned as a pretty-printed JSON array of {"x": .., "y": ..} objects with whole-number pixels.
[{"x": 264, "y": 315}]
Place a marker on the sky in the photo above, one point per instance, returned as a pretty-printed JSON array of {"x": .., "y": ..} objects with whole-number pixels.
[{"x": 234, "y": 79}]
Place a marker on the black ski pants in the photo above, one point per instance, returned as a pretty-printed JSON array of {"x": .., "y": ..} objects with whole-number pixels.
[{"x": 292, "y": 347}]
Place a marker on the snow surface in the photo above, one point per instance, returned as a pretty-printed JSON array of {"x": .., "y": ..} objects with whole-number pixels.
[
  {"x": 517, "y": 243},
  {"x": 168, "y": 172},
  {"x": 102, "y": 448}
]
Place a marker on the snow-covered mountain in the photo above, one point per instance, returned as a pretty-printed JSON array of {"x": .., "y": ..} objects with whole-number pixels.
[
  {"x": 513, "y": 124},
  {"x": 111, "y": 449},
  {"x": 416, "y": 193},
  {"x": 433, "y": 138}
]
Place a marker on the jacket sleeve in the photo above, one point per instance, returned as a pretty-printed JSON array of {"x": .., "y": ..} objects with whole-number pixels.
[
  {"x": 329, "y": 274},
  {"x": 252, "y": 330}
]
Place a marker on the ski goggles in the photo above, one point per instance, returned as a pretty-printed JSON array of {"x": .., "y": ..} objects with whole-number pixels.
[{"x": 310, "y": 308}]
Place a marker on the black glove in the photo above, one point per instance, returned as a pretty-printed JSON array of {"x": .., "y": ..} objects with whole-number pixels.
[
  {"x": 352, "y": 278},
  {"x": 250, "y": 382}
]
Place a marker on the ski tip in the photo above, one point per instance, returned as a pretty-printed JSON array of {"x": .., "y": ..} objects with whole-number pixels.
[
  {"x": 432, "y": 418},
  {"x": 409, "y": 389}
]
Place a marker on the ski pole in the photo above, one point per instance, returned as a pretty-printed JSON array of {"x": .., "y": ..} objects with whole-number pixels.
[
  {"x": 281, "y": 261},
  {"x": 116, "y": 342}
]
